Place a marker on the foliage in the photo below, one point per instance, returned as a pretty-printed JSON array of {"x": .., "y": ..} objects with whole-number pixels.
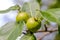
[{"x": 12, "y": 30}]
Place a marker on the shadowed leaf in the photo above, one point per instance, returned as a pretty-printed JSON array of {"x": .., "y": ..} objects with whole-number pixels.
[
  {"x": 28, "y": 37},
  {"x": 57, "y": 37}
]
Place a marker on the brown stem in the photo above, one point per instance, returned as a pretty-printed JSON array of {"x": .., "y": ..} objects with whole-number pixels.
[
  {"x": 45, "y": 32},
  {"x": 52, "y": 30},
  {"x": 45, "y": 27},
  {"x": 48, "y": 31}
]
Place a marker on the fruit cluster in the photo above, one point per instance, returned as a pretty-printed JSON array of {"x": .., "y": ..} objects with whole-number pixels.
[{"x": 32, "y": 23}]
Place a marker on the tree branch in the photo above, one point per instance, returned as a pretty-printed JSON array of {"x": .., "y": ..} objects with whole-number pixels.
[{"x": 47, "y": 30}]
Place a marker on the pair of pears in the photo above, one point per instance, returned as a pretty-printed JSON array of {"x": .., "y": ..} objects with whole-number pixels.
[{"x": 31, "y": 23}]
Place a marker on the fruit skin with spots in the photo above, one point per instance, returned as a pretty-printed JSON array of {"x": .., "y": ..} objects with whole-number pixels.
[
  {"x": 23, "y": 16},
  {"x": 32, "y": 24}
]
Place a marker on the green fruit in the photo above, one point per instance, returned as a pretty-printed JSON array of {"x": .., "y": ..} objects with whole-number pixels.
[
  {"x": 32, "y": 24},
  {"x": 28, "y": 37},
  {"x": 23, "y": 16}
]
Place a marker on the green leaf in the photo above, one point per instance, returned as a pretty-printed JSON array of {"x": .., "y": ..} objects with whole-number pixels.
[
  {"x": 39, "y": 1},
  {"x": 28, "y": 37},
  {"x": 59, "y": 28},
  {"x": 48, "y": 16},
  {"x": 16, "y": 32},
  {"x": 11, "y": 31},
  {"x": 16, "y": 7},
  {"x": 56, "y": 13},
  {"x": 55, "y": 4},
  {"x": 31, "y": 7},
  {"x": 6, "y": 29}
]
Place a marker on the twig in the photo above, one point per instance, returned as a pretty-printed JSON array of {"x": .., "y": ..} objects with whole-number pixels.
[
  {"x": 48, "y": 31},
  {"x": 45, "y": 32},
  {"x": 52, "y": 30},
  {"x": 45, "y": 27}
]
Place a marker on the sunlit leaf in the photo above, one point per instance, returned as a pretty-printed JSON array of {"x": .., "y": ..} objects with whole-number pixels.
[
  {"x": 31, "y": 7},
  {"x": 11, "y": 31},
  {"x": 16, "y": 31},
  {"x": 6, "y": 29},
  {"x": 14, "y": 7},
  {"x": 55, "y": 12},
  {"x": 10, "y": 9},
  {"x": 48, "y": 16}
]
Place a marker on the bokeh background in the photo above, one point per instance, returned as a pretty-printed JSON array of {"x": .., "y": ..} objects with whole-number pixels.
[{"x": 11, "y": 15}]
